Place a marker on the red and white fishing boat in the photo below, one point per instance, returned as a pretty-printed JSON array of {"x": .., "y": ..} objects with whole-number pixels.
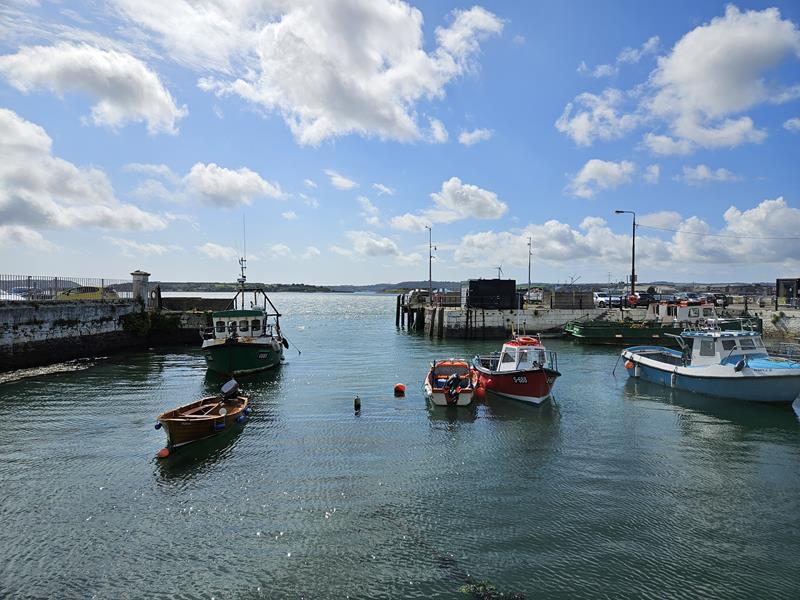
[
  {"x": 523, "y": 370},
  {"x": 449, "y": 383}
]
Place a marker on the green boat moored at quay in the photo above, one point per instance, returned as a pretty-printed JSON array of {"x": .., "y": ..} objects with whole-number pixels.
[{"x": 662, "y": 323}]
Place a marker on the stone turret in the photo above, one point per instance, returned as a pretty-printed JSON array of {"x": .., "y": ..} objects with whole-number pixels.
[{"x": 141, "y": 285}]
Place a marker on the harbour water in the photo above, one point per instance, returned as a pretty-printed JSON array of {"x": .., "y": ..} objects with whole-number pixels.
[{"x": 616, "y": 489}]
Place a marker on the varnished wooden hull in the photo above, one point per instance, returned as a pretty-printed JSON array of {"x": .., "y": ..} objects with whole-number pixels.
[{"x": 202, "y": 419}]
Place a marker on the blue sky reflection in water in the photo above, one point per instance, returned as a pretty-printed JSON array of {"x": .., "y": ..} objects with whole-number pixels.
[{"x": 615, "y": 489}]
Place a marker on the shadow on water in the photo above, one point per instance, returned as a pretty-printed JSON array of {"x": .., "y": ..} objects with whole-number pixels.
[
  {"x": 193, "y": 459},
  {"x": 254, "y": 384},
  {"x": 497, "y": 407},
  {"x": 748, "y": 415}
]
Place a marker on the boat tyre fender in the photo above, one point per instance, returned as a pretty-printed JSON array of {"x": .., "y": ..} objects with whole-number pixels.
[{"x": 285, "y": 343}]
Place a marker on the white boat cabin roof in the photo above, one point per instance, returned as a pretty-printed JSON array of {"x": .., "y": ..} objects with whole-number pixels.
[
  {"x": 715, "y": 347},
  {"x": 672, "y": 311}
]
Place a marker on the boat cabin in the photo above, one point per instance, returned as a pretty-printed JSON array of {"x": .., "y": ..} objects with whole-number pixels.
[
  {"x": 523, "y": 353},
  {"x": 722, "y": 347},
  {"x": 680, "y": 312},
  {"x": 243, "y": 323}
]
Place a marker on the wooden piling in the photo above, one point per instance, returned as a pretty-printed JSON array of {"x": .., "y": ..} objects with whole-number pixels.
[{"x": 397, "y": 312}]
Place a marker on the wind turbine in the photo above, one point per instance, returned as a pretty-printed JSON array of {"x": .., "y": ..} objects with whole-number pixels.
[{"x": 500, "y": 271}]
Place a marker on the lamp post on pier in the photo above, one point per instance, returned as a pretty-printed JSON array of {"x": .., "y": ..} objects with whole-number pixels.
[
  {"x": 430, "y": 264},
  {"x": 633, "y": 248}
]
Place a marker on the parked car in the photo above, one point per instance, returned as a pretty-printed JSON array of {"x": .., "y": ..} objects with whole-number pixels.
[
  {"x": 604, "y": 300},
  {"x": 644, "y": 299},
  {"x": 88, "y": 292}
]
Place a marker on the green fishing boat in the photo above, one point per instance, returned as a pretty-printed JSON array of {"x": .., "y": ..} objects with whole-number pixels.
[
  {"x": 244, "y": 339},
  {"x": 662, "y": 322}
]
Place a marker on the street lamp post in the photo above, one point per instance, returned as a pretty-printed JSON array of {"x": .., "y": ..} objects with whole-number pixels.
[
  {"x": 633, "y": 249},
  {"x": 430, "y": 264}
]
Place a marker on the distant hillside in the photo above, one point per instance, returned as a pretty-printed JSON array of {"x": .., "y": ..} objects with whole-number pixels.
[{"x": 178, "y": 286}]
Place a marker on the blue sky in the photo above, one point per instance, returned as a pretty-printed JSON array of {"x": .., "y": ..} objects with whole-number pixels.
[{"x": 139, "y": 134}]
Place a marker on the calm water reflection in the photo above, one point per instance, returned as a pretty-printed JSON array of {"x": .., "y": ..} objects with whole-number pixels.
[{"x": 615, "y": 489}]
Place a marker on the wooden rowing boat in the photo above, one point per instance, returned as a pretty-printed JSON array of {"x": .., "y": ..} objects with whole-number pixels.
[{"x": 203, "y": 418}]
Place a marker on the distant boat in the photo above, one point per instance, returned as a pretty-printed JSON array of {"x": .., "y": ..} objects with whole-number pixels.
[
  {"x": 523, "y": 370},
  {"x": 449, "y": 383},
  {"x": 244, "y": 339},
  {"x": 727, "y": 364},
  {"x": 204, "y": 418},
  {"x": 663, "y": 321}
]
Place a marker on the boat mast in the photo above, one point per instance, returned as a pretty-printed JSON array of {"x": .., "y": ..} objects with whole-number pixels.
[{"x": 530, "y": 251}]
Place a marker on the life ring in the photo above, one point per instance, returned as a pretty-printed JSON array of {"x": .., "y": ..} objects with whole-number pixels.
[
  {"x": 526, "y": 339},
  {"x": 629, "y": 364}
]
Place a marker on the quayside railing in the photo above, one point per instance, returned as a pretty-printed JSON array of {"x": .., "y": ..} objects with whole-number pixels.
[{"x": 49, "y": 288}]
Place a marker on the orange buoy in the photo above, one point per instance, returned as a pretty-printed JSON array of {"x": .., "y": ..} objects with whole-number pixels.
[
  {"x": 399, "y": 389},
  {"x": 163, "y": 453},
  {"x": 629, "y": 364}
]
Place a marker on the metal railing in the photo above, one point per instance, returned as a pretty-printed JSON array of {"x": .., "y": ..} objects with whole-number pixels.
[{"x": 42, "y": 288}]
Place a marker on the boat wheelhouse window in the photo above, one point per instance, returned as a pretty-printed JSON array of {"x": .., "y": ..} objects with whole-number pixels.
[
  {"x": 220, "y": 326},
  {"x": 707, "y": 348},
  {"x": 759, "y": 343},
  {"x": 728, "y": 344},
  {"x": 232, "y": 327},
  {"x": 708, "y": 312},
  {"x": 243, "y": 325},
  {"x": 672, "y": 311},
  {"x": 506, "y": 358},
  {"x": 255, "y": 324},
  {"x": 522, "y": 356},
  {"x": 694, "y": 312},
  {"x": 747, "y": 344}
]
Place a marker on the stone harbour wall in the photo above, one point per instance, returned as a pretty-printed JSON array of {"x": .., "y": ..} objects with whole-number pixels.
[{"x": 40, "y": 333}]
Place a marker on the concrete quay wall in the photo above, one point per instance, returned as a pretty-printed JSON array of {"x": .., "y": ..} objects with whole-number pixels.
[
  {"x": 40, "y": 333},
  {"x": 476, "y": 323}
]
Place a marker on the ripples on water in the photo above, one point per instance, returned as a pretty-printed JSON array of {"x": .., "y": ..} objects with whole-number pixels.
[{"x": 616, "y": 489}]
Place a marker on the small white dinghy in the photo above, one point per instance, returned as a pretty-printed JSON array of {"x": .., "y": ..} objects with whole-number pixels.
[{"x": 449, "y": 383}]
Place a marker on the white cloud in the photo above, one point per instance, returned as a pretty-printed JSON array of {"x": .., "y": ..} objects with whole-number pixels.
[
  {"x": 382, "y": 189},
  {"x": 340, "y": 182},
  {"x": 213, "y": 250},
  {"x": 703, "y": 174},
  {"x": 341, "y": 251},
  {"x": 226, "y": 187},
  {"x": 597, "y": 175},
  {"x": 469, "y": 138},
  {"x": 454, "y": 202},
  {"x": 280, "y": 250},
  {"x": 123, "y": 86},
  {"x": 718, "y": 70},
  {"x": 792, "y": 125},
  {"x": 309, "y": 201},
  {"x": 369, "y": 212},
  {"x": 364, "y": 75},
  {"x": 663, "y": 145},
  {"x": 14, "y": 236},
  {"x": 39, "y": 190},
  {"x": 310, "y": 183},
  {"x": 700, "y": 89},
  {"x": 154, "y": 170},
  {"x": 626, "y": 56},
  {"x": 134, "y": 248},
  {"x": 652, "y": 173},
  {"x": 289, "y": 215},
  {"x": 366, "y": 243},
  {"x": 438, "y": 133},
  {"x": 760, "y": 235},
  {"x": 409, "y": 222},
  {"x": 596, "y": 117},
  {"x": 408, "y": 259},
  {"x": 311, "y": 252},
  {"x": 664, "y": 218},
  {"x": 458, "y": 200},
  {"x": 518, "y": 40}
]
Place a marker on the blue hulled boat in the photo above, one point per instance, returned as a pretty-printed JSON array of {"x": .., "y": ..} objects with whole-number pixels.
[{"x": 727, "y": 364}]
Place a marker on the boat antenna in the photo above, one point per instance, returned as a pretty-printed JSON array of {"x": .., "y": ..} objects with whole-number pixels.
[{"x": 243, "y": 259}]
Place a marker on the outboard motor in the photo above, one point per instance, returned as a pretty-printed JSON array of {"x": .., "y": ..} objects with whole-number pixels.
[
  {"x": 230, "y": 389},
  {"x": 452, "y": 387}
]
